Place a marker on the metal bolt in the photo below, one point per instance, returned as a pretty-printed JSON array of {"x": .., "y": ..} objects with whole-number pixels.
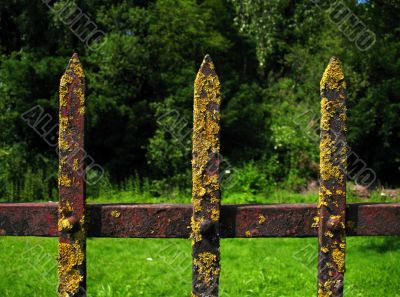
[{"x": 206, "y": 226}]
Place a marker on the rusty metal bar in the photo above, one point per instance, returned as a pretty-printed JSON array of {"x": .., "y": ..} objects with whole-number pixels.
[
  {"x": 332, "y": 192},
  {"x": 172, "y": 220},
  {"x": 206, "y": 187},
  {"x": 71, "y": 183}
]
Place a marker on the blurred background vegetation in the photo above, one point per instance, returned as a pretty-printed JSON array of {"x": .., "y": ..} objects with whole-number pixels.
[{"x": 269, "y": 55}]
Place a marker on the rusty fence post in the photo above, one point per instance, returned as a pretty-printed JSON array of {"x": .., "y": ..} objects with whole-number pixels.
[
  {"x": 206, "y": 184},
  {"x": 71, "y": 183},
  {"x": 332, "y": 193}
]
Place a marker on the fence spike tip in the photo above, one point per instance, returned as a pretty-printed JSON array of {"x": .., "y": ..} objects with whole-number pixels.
[
  {"x": 333, "y": 77},
  {"x": 206, "y": 69},
  {"x": 207, "y": 64},
  {"x": 207, "y": 58},
  {"x": 74, "y": 66}
]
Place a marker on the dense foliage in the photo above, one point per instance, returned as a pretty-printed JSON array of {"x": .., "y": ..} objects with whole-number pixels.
[{"x": 269, "y": 55}]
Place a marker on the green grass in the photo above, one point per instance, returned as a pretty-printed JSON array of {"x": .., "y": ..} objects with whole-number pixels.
[
  {"x": 278, "y": 196},
  {"x": 161, "y": 267}
]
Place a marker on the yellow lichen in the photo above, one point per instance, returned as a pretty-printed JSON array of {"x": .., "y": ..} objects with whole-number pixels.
[
  {"x": 337, "y": 217},
  {"x": 340, "y": 192},
  {"x": 214, "y": 200},
  {"x": 325, "y": 191},
  {"x": 63, "y": 144},
  {"x": 247, "y": 233},
  {"x": 66, "y": 209},
  {"x": 333, "y": 77},
  {"x": 63, "y": 123},
  {"x": 202, "y": 192},
  {"x": 333, "y": 108},
  {"x": 115, "y": 214},
  {"x": 71, "y": 258},
  {"x": 81, "y": 97},
  {"x": 207, "y": 265},
  {"x": 324, "y": 249},
  {"x": 327, "y": 110},
  {"x": 215, "y": 214},
  {"x": 65, "y": 81},
  {"x": 64, "y": 181},
  {"x": 77, "y": 68},
  {"x": 195, "y": 235},
  {"x": 338, "y": 259},
  {"x": 64, "y": 224},
  {"x": 73, "y": 70},
  {"x": 322, "y": 202},
  {"x": 329, "y": 234},
  {"x": 324, "y": 290},
  {"x": 261, "y": 219},
  {"x": 197, "y": 205},
  {"x": 315, "y": 223},
  {"x": 75, "y": 164},
  {"x": 328, "y": 169}
]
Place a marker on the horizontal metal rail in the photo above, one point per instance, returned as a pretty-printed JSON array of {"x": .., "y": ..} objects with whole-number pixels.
[{"x": 173, "y": 220}]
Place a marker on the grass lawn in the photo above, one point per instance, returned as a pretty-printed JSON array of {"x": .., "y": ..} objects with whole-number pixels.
[
  {"x": 161, "y": 267},
  {"x": 279, "y": 196}
]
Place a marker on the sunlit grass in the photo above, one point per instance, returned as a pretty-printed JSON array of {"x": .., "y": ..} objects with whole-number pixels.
[{"x": 162, "y": 267}]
